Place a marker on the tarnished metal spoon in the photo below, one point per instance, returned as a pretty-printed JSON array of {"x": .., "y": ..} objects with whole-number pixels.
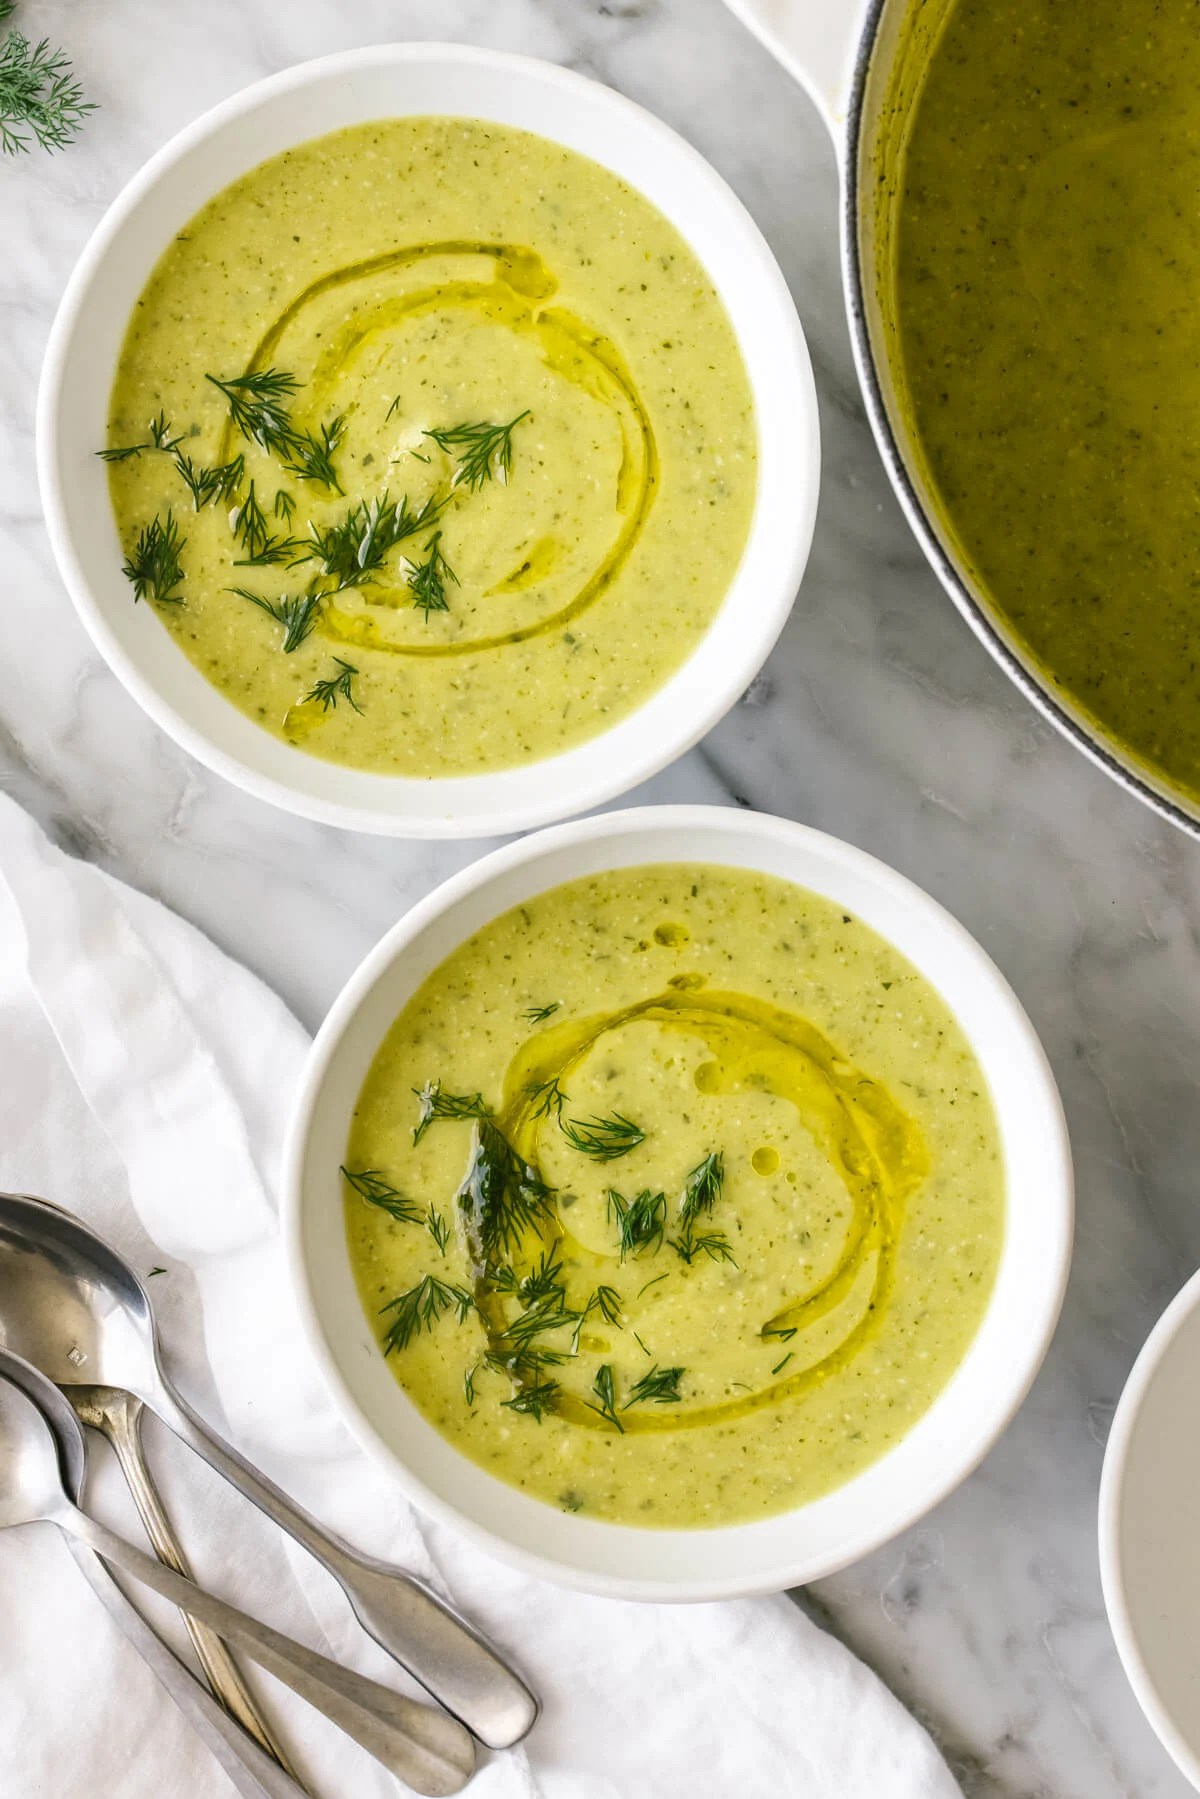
[
  {"x": 428, "y": 1749},
  {"x": 73, "y": 1306},
  {"x": 254, "y": 1773}
]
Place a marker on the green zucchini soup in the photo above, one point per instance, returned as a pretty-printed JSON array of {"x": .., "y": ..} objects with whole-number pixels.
[
  {"x": 674, "y": 1196},
  {"x": 1041, "y": 169},
  {"x": 432, "y": 446}
]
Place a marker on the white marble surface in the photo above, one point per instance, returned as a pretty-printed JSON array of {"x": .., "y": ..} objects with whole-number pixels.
[{"x": 878, "y": 718}]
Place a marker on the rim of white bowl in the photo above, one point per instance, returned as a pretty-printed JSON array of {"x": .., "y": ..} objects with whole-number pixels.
[
  {"x": 1112, "y": 1481},
  {"x": 565, "y": 793},
  {"x": 1020, "y": 1370}
]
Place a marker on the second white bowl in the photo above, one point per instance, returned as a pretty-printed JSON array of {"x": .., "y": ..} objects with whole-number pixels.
[{"x": 946, "y": 1443}]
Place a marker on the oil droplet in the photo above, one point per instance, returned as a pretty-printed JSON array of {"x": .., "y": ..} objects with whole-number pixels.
[
  {"x": 765, "y": 1160},
  {"x": 671, "y": 936},
  {"x": 708, "y": 1077}
]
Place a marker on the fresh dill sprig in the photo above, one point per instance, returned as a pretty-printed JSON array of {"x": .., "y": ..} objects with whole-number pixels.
[
  {"x": 702, "y": 1187},
  {"x": 284, "y": 506},
  {"x": 469, "y": 1382},
  {"x": 40, "y": 100},
  {"x": 256, "y": 406},
  {"x": 248, "y": 522},
  {"x": 604, "y": 1388},
  {"x": 352, "y": 550},
  {"x": 713, "y": 1244},
  {"x": 433, "y": 1105},
  {"x": 438, "y": 1228},
  {"x": 543, "y": 1280},
  {"x": 659, "y": 1387},
  {"x": 159, "y": 439},
  {"x": 641, "y": 1221},
  {"x": 550, "y": 1098},
  {"x": 604, "y": 1139},
  {"x": 502, "y": 1195},
  {"x": 483, "y": 451},
  {"x": 539, "y": 1014},
  {"x": 310, "y": 456},
  {"x": 377, "y": 1190},
  {"x": 154, "y": 565},
  {"x": 328, "y": 691},
  {"x": 606, "y": 1301},
  {"x": 549, "y": 1313},
  {"x": 204, "y": 484},
  {"x": 420, "y": 1309},
  {"x": 297, "y": 613},
  {"x": 533, "y": 1402},
  {"x": 426, "y": 581}
]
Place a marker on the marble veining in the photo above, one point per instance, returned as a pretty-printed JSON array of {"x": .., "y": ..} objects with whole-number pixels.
[{"x": 879, "y": 718}]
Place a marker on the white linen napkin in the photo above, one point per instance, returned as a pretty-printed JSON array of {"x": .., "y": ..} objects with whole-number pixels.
[{"x": 144, "y": 1083}]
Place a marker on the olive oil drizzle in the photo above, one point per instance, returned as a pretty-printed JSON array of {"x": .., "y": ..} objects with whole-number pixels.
[
  {"x": 874, "y": 1146},
  {"x": 515, "y": 296}
]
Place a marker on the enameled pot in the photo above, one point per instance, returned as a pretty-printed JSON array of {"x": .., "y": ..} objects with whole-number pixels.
[{"x": 861, "y": 61}]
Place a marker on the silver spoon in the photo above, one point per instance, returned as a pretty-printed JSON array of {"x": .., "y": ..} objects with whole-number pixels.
[
  {"x": 73, "y": 1306},
  {"x": 117, "y": 1416},
  {"x": 253, "y": 1772},
  {"x": 426, "y": 1748}
]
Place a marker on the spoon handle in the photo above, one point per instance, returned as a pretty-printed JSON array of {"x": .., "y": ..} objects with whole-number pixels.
[
  {"x": 429, "y": 1750},
  {"x": 119, "y": 1418},
  {"x": 252, "y": 1771},
  {"x": 460, "y": 1668}
]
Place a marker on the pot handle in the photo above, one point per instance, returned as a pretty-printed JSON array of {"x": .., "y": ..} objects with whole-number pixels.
[{"x": 815, "y": 40}]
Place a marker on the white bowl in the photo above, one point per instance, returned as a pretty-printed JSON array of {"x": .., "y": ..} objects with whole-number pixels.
[
  {"x": 1149, "y": 1561},
  {"x": 960, "y": 1426},
  {"x": 304, "y": 102}
]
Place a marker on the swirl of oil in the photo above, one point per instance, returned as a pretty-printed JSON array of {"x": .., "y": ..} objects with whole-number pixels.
[
  {"x": 517, "y": 297},
  {"x": 872, "y": 1144}
]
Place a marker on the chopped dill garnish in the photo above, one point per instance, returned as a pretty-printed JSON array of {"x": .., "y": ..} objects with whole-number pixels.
[
  {"x": 438, "y": 1228},
  {"x": 641, "y": 1345},
  {"x": 420, "y": 1309},
  {"x": 284, "y": 506},
  {"x": 604, "y": 1139},
  {"x": 394, "y": 407},
  {"x": 377, "y": 1190},
  {"x": 483, "y": 451},
  {"x": 40, "y": 100},
  {"x": 352, "y": 551},
  {"x": 550, "y": 1098},
  {"x": 545, "y": 1314},
  {"x": 426, "y": 581},
  {"x": 605, "y": 1390},
  {"x": 159, "y": 439},
  {"x": 328, "y": 691},
  {"x": 534, "y": 1401},
  {"x": 310, "y": 457},
  {"x": 154, "y": 565},
  {"x": 784, "y": 1336},
  {"x": 659, "y": 1387},
  {"x": 713, "y": 1244},
  {"x": 641, "y": 1221},
  {"x": 256, "y": 406},
  {"x": 469, "y": 1382},
  {"x": 702, "y": 1188},
  {"x": 433, "y": 1104},
  {"x": 204, "y": 484},
  {"x": 606, "y": 1301},
  {"x": 779, "y": 1365},
  {"x": 248, "y": 522},
  {"x": 543, "y": 1279},
  {"x": 539, "y": 1014},
  {"x": 502, "y": 1195},
  {"x": 298, "y": 613},
  {"x": 651, "y": 1283}
]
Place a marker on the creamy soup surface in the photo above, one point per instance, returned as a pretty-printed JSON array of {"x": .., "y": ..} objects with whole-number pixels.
[
  {"x": 432, "y": 445},
  {"x": 674, "y": 1196}
]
